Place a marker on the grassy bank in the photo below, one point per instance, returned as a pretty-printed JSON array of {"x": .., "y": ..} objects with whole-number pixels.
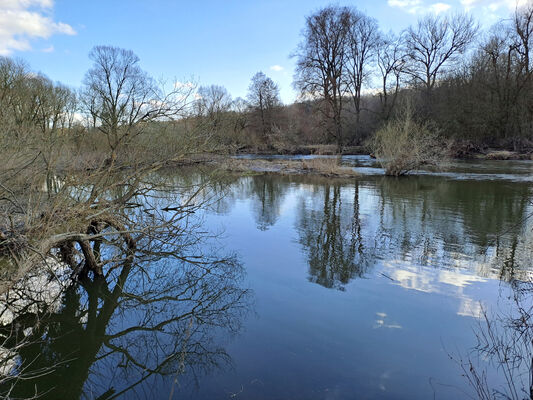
[{"x": 327, "y": 167}]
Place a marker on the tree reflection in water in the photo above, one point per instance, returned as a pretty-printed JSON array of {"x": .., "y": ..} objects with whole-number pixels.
[
  {"x": 268, "y": 193},
  {"x": 504, "y": 347},
  {"x": 421, "y": 221},
  {"x": 331, "y": 237},
  {"x": 158, "y": 317}
]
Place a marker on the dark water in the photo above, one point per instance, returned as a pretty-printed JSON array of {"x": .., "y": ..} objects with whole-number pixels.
[{"x": 314, "y": 289}]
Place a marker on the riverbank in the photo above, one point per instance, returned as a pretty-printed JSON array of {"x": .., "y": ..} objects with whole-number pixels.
[
  {"x": 326, "y": 167},
  {"x": 505, "y": 155},
  {"x": 464, "y": 152},
  {"x": 291, "y": 150}
]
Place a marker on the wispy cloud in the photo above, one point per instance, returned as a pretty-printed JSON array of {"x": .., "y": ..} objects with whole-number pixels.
[
  {"x": 424, "y": 7},
  {"x": 184, "y": 85},
  {"x": 493, "y": 5},
  {"x": 438, "y": 8},
  {"x": 276, "y": 68},
  {"x": 404, "y": 3},
  {"x": 49, "y": 49},
  {"x": 411, "y": 6},
  {"x": 420, "y": 7},
  {"x": 24, "y": 20}
]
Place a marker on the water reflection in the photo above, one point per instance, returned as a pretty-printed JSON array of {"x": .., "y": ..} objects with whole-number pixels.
[
  {"x": 456, "y": 224},
  {"x": 330, "y": 234},
  {"x": 105, "y": 341},
  {"x": 504, "y": 338},
  {"x": 346, "y": 228},
  {"x": 268, "y": 193},
  {"x": 411, "y": 263},
  {"x": 148, "y": 328}
]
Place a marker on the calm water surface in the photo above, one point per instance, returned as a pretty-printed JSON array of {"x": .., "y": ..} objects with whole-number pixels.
[{"x": 352, "y": 289}]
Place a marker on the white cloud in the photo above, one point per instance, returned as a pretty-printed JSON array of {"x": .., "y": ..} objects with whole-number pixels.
[
  {"x": 404, "y": 3},
  {"x": 184, "y": 85},
  {"x": 493, "y": 5},
  {"x": 23, "y": 20},
  {"x": 276, "y": 68},
  {"x": 438, "y": 8},
  {"x": 469, "y": 4},
  {"x": 49, "y": 49},
  {"x": 419, "y": 7},
  {"x": 411, "y": 6}
]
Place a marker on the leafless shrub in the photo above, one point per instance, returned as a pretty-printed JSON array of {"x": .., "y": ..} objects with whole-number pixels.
[{"x": 403, "y": 145}]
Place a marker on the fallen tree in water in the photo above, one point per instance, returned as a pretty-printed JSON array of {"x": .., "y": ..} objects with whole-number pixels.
[
  {"x": 53, "y": 206},
  {"x": 146, "y": 256}
]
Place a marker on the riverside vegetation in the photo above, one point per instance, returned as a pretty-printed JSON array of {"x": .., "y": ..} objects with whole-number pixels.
[{"x": 82, "y": 200}]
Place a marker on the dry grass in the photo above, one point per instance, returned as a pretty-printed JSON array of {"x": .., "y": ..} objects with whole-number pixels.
[
  {"x": 323, "y": 149},
  {"x": 502, "y": 155},
  {"x": 329, "y": 167}
]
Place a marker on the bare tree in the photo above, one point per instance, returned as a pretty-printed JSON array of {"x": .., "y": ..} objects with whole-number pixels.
[
  {"x": 391, "y": 63},
  {"x": 523, "y": 27},
  {"x": 31, "y": 103},
  {"x": 263, "y": 97},
  {"x": 503, "y": 78},
  {"x": 363, "y": 42},
  {"x": 12, "y": 76},
  {"x": 212, "y": 103},
  {"x": 239, "y": 106},
  {"x": 193, "y": 291},
  {"x": 435, "y": 44},
  {"x": 120, "y": 96},
  {"x": 321, "y": 63}
]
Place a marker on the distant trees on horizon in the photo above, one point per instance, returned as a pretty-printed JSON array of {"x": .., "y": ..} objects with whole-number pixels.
[{"x": 475, "y": 87}]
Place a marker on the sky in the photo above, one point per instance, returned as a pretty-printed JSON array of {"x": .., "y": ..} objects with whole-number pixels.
[{"x": 223, "y": 42}]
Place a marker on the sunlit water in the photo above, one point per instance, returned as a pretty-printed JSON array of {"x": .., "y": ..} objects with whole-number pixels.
[
  {"x": 519, "y": 171},
  {"x": 358, "y": 289}
]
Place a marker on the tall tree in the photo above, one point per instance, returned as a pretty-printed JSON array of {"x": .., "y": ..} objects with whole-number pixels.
[
  {"x": 435, "y": 43},
  {"x": 523, "y": 29},
  {"x": 391, "y": 63},
  {"x": 31, "y": 101},
  {"x": 120, "y": 96},
  {"x": 263, "y": 97},
  {"x": 321, "y": 63},
  {"x": 362, "y": 44},
  {"x": 239, "y": 108},
  {"x": 213, "y": 102},
  {"x": 502, "y": 67}
]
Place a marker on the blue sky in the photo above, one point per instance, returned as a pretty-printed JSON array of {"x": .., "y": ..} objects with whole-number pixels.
[{"x": 210, "y": 41}]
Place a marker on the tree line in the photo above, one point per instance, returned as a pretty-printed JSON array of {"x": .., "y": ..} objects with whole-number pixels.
[
  {"x": 120, "y": 102},
  {"x": 473, "y": 87}
]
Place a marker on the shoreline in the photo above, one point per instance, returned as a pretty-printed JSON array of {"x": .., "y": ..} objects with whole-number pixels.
[
  {"x": 331, "y": 150},
  {"x": 325, "y": 167}
]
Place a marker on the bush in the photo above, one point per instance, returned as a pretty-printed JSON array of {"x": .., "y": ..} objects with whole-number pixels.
[{"x": 404, "y": 145}]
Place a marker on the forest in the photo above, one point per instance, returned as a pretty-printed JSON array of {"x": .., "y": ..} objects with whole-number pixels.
[{"x": 470, "y": 87}]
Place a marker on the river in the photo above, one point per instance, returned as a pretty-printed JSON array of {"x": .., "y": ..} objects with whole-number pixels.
[{"x": 315, "y": 288}]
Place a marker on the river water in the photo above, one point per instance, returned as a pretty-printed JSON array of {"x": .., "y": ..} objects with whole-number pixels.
[{"x": 369, "y": 288}]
